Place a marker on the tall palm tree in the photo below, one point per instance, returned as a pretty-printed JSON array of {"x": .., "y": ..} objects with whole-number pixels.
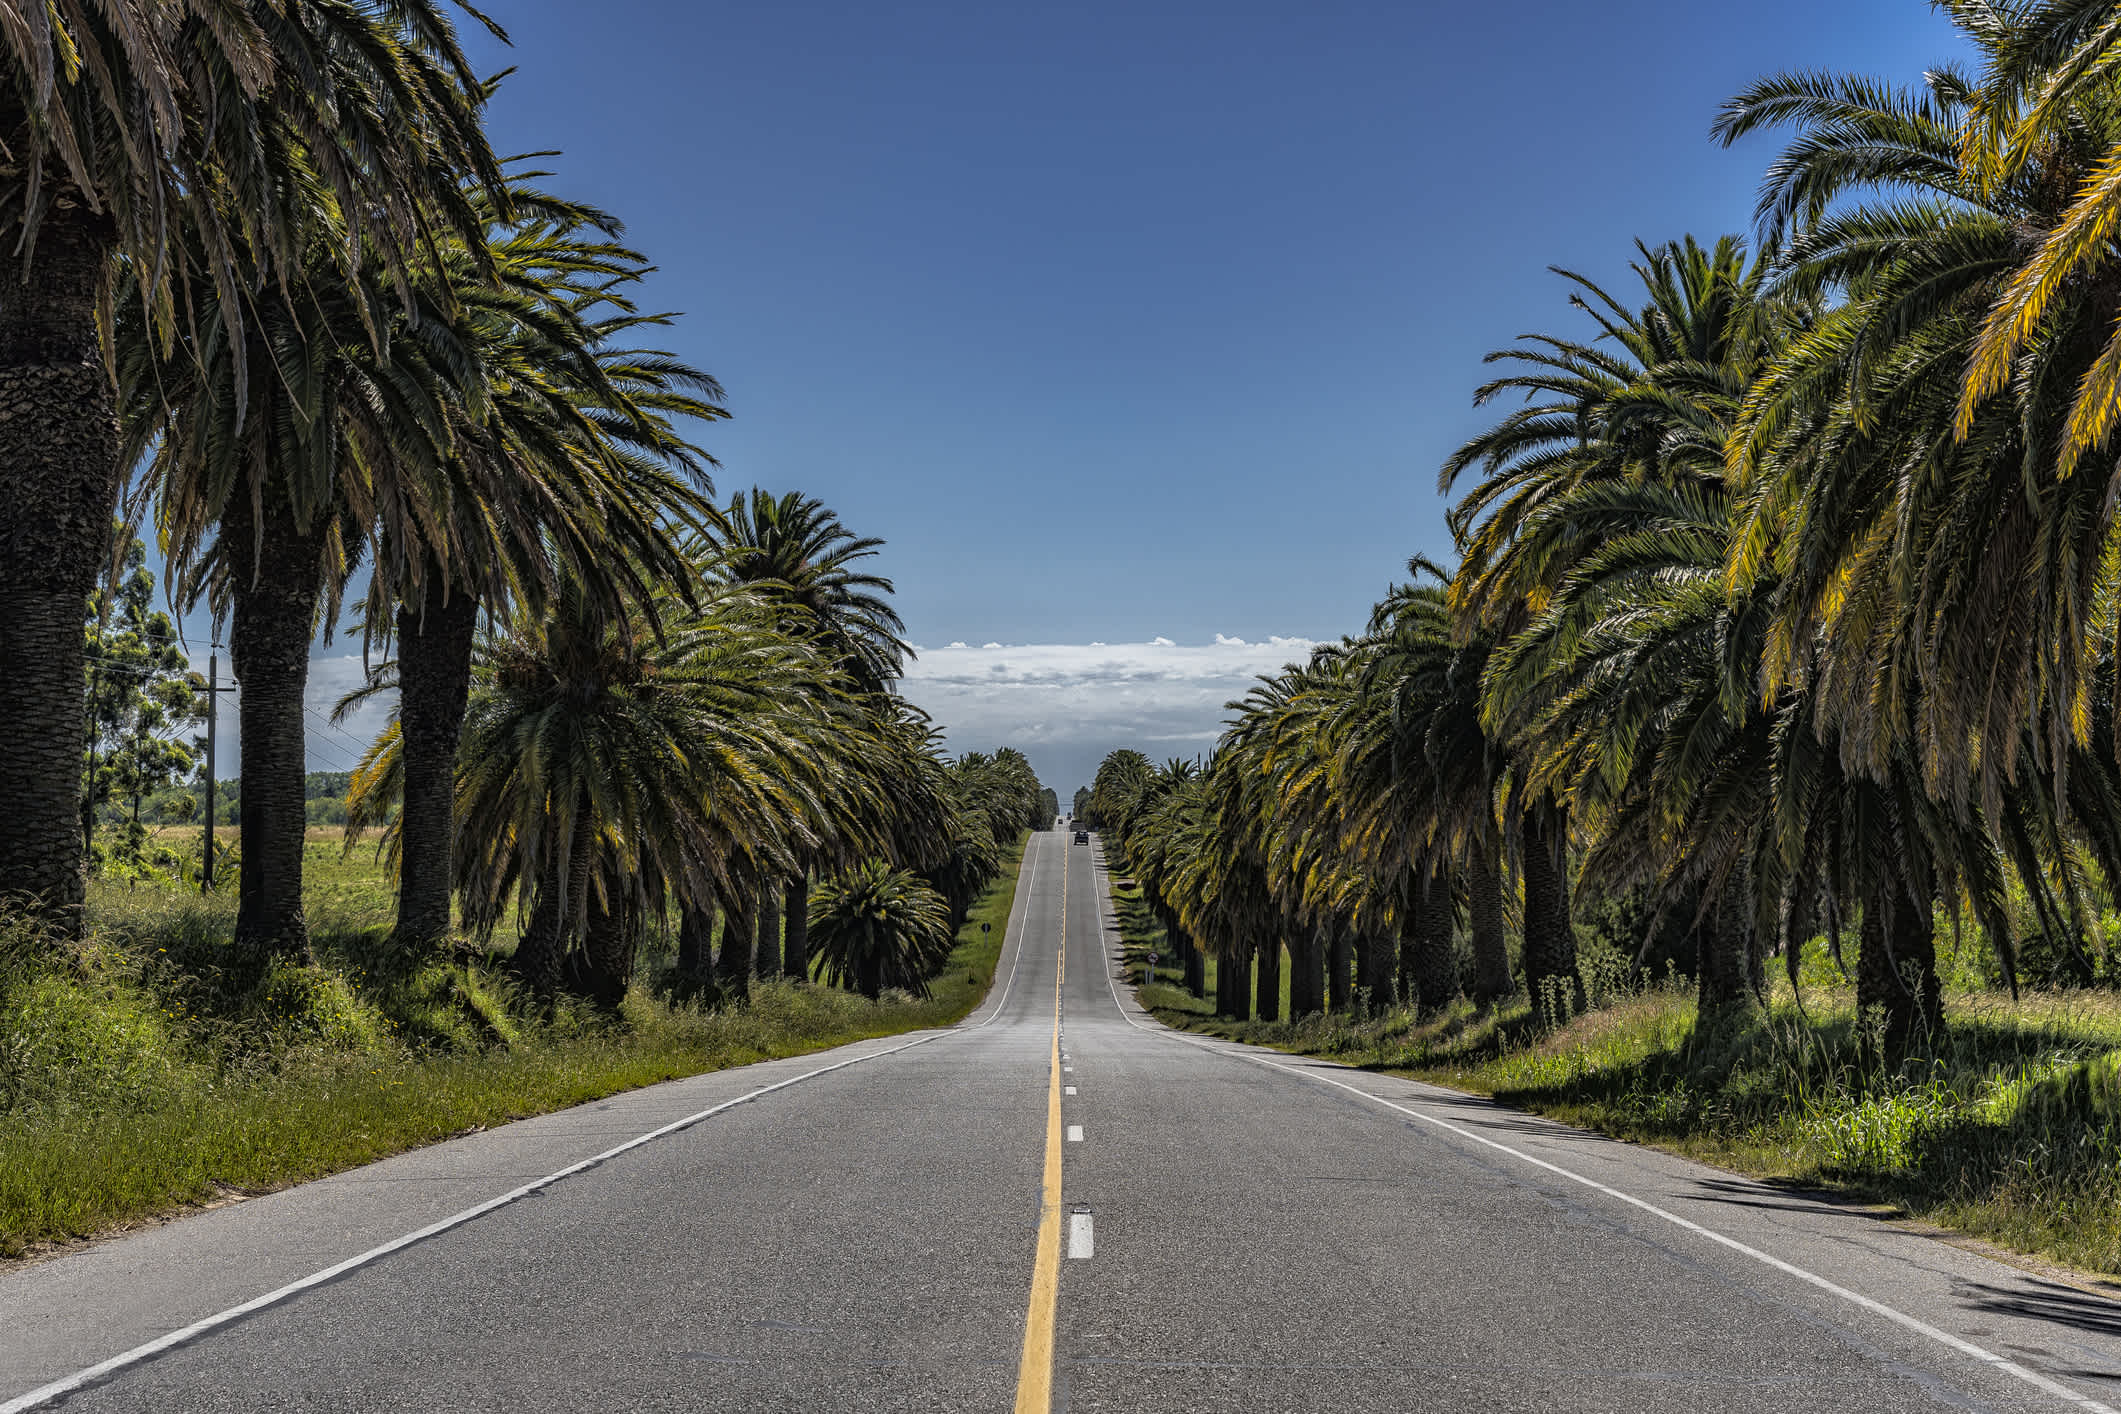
[
  {"x": 567, "y": 461},
  {"x": 1941, "y": 562},
  {"x": 373, "y": 103},
  {"x": 596, "y": 750},
  {"x": 792, "y": 550},
  {"x": 469, "y": 425}
]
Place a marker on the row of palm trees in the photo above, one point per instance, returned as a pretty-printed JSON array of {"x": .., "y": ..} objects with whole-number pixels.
[
  {"x": 275, "y": 294},
  {"x": 707, "y": 761},
  {"x": 1785, "y": 600}
]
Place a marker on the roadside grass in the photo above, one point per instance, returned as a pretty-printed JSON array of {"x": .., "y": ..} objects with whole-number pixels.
[
  {"x": 2009, "y": 1130},
  {"x": 146, "y": 1073}
]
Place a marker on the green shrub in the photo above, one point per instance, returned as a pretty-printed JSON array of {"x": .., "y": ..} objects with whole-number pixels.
[
  {"x": 73, "y": 1039},
  {"x": 310, "y": 1004}
]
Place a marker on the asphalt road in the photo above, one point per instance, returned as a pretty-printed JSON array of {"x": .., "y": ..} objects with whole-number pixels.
[{"x": 1234, "y": 1230}]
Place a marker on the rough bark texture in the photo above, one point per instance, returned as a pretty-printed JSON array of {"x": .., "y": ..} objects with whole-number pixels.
[
  {"x": 1266, "y": 1003},
  {"x": 795, "y": 941},
  {"x": 1435, "y": 979},
  {"x": 1491, "y": 950},
  {"x": 1194, "y": 963},
  {"x": 1549, "y": 939},
  {"x": 1896, "y": 970},
  {"x": 1233, "y": 985},
  {"x": 542, "y": 953},
  {"x": 1723, "y": 961},
  {"x": 58, "y": 490},
  {"x": 1337, "y": 979},
  {"x": 434, "y": 683},
  {"x": 766, "y": 950},
  {"x": 1307, "y": 993},
  {"x": 610, "y": 943},
  {"x": 1376, "y": 964},
  {"x": 695, "y": 946},
  {"x": 273, "y": 615},
  {"x": 739, "y": 935}
]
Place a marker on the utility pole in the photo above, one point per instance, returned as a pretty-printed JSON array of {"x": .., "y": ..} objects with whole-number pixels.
[{"x": 213, "y": 715}]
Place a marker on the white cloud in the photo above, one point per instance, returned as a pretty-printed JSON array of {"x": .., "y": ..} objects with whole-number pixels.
[
  {"x": 1065, "y": 705},
  {"x": 958, "y": 643}
]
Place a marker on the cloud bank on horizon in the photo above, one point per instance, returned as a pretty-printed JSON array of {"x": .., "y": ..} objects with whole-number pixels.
[{"x": 1065, "y": 705}]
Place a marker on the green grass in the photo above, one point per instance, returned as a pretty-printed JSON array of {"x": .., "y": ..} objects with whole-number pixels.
[
  {"x": 144, "y": 1076},
  {"x": 2010, "y": 1129}
]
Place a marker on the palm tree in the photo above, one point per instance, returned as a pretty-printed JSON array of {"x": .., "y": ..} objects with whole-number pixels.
[
  {"x": 109, "y": 158},
  {"x": 1941, "y": 565},
  {"x": 566, "y": 452},
  {"x": 876, "y": 927},
  {"x": 596, "y": 751},
  {"x": 491, "y": 430},
  {"x": 793, "y": 551}
]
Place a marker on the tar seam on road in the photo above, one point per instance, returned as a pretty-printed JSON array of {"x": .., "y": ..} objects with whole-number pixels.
[
  {"x": 1901, "y": 1318},
  {"x": 46, "y": 1393},
  {"x": 1034, "y": 1374}
]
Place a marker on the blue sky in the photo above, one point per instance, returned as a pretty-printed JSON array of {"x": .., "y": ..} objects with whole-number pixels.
[{"x": 1126, "y": 321}]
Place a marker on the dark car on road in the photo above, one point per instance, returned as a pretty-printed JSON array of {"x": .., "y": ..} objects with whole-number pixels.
[{"x": 1082, "y": 837}]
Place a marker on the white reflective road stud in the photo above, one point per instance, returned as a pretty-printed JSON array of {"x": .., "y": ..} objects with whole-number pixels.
[
  {"x": 1075, "y": 1134},
  {"x": 1082, "y": 1238}
]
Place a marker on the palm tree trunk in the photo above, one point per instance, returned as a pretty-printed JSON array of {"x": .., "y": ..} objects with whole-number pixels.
[
  {"x": 273, "y": 617},
  {"x": 695, "y": 945},
  {"x": 1233, "y": 984},
  {"x": 58, "y": 491},
  {"x": 1435, "y": 960},
  {"x": 739, "y": 935},
  {"x": 1549, "y": 937},
  {"x": 1306, "y": 963},
  {"x": 434, "y": 683},
  {"x": 768, "y": 950},
  {"x": 1266, "y": 1003},
  {"x": 609, "y": 947},
  {"x": 1376, "y": 960},
  {"x": 1337, "y": 959},
  {"x": 1896, "y": 968},
  {"x": 795, "y": 945},
  {"x": 1491, "y": 949},
  {"x": 543, "y": 946},
  {"x": 1723, "y": 960}
]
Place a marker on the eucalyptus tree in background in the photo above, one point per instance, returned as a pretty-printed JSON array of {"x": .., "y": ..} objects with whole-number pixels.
[{"x": 107, "y": 160}]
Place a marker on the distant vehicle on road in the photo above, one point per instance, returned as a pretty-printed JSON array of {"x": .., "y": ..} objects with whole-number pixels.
[{"x": 1082, "y": 837}]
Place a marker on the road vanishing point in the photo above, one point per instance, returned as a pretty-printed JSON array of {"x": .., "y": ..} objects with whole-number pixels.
[{"x": 1057, "y": 1205}]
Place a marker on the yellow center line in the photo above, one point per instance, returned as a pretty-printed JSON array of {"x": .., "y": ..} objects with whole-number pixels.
[{"x": 1034, "y": 1375}]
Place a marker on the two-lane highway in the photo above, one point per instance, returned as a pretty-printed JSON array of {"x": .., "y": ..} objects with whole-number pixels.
[{"x": 1058, "y": 1205}]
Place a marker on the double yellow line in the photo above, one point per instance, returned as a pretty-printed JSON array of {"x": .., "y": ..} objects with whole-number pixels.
[{"x": 1034, "y": 1373}]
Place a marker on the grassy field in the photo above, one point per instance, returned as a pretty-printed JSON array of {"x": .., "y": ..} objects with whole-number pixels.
[
  {"x": 139, "y": 1078},
  {"x": 2010, "y": 1130}
]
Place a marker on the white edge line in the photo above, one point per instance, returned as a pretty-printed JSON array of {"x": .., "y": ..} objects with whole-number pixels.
[
  {"x": 1901, "y": 1318},
  {"x": 44, "y": 1394},
  {"x": 1024, "y": 885}
]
